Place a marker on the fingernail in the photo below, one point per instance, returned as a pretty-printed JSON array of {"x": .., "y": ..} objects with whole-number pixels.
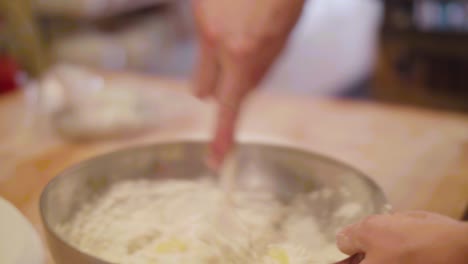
[{"x": 343, "y": 241}]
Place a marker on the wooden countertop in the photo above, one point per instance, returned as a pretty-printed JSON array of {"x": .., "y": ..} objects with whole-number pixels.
[{"x": 419, "y": 157}]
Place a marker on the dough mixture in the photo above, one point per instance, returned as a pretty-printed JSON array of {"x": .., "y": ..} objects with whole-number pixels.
[{"x": 173, "y": 222}]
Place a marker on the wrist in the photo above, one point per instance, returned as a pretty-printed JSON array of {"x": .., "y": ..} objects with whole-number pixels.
[
  {"x": 463, "y": 242},
  {"x": 464, "y": 229}
]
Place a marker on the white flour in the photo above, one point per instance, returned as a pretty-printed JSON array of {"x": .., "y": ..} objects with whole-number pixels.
[{"x": 172, "y": 222}]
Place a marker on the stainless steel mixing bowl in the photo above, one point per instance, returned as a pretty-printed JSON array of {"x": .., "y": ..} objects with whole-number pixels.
[{"x": 284, "y": 170}]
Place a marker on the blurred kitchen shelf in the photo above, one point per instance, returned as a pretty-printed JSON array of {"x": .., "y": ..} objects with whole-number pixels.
[
  {"x": 427, "y": 15},
  {"x": 423, "y": 67},
  {"x": 93, "y": 9},
  {"x": 54, "y": 27},
  {"x": 21, "y": 37}
]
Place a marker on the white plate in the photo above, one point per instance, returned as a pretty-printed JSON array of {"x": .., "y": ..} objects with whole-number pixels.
[{"x": 19, "y": 241}]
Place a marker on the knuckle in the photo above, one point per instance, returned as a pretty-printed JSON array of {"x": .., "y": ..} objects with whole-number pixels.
[
  {"x": 228, "y": 105},
  {"x": 211, "y": 33},
  {"x": 269, "y": 35},
  {"x": 241, "y": 47},
  {"x": 370, "y": 222},
  {"x": 414, "y": 214}
]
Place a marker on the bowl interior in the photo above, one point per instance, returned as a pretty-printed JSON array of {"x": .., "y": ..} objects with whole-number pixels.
[{"x": 284, "y": 171}]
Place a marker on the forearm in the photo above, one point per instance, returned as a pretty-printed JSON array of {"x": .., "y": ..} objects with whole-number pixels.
[
  {"x": 463, "y": 242},
  {"x": 455, "y": 246}
]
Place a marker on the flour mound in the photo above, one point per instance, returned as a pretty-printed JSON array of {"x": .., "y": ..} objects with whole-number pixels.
[{"x": 144, "y": 221}]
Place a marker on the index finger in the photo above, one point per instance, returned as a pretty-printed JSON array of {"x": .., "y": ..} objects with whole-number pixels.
[{"x": 233, "y": 88}]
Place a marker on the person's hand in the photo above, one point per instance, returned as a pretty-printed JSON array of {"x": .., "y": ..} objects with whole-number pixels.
[
  {"x": 239, "y": 41},
  {"x": 407, "y": 238}
]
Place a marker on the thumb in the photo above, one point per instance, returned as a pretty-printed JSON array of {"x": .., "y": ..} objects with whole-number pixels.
[
  {"x": 359, "y": 237},
  {"x": 352, "y": 239},
  {"x": 347, "y": 244}
]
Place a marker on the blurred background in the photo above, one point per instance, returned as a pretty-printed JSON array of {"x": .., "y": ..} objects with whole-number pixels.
[
  {"x": 412, "y": 52},
  {"x": 61, "y": 54}
]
